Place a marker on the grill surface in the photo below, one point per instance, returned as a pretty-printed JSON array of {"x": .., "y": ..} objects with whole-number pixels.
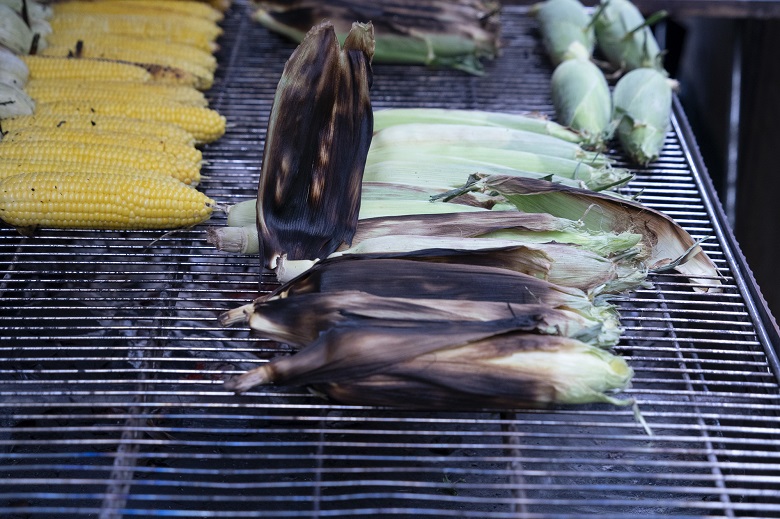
[{"x": 112, "y": 362}]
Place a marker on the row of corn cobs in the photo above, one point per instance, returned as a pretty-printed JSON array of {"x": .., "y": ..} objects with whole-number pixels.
[{"x": 102, "y": 114}]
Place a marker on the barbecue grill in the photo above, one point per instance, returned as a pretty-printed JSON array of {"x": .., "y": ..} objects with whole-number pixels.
[{"x": 112, "y": 362}]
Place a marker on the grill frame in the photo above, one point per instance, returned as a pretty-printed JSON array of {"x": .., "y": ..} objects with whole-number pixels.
[{"x": 113, "y": 406}]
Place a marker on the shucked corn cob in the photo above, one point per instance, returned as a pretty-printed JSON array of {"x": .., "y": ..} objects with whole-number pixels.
[
  {"x": 101, "y": 154},
  {"x": 33, "y": 136},
  {"x": 204, "y": 124},
  {"x": 182, "y": 52},
  {"x": 11, "y": 167},
  {"x": 88, "y": 122},
  {"x": 94, "y": 69},
  {"x": 165, "y": 27},
  {"x": 183, "y": 8},
  {"x": 100, "y": 201},
  {"x": 47, "y": 91},
  {"x": 182, "y": 71}
]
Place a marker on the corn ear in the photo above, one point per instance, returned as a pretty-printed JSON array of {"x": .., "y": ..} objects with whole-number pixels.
[
  {"x": 438, "y": 33},
  {"x": 14, "y": 32},
  {"x": 565, "y": 28},
  {"x": 463, "y": 365},
  {"x": 300, "y": 320},
  {"x": 318, "y": 137},
  {"x": 642, "y": 101},
  {"x": 668, "y": 245},
  {"x": 13, "y": 71},
  {"x": 582, "y": 100},
  {"x": 623, "y": 35}
]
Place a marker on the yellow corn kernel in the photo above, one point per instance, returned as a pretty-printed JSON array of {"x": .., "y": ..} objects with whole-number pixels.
[
  {"x": 42, "y": 67},
  {"x": 102, "y": 154},
  {"x": 178, "y": 51},
  {"x": 104, "y": 137},
  {"x": 194, "y": 74},
  {"x": 204, "y": 124},
  {"x": 184, "y": 8},
  {"x": 91, "y": 122},
  {"x": 48, "y": 90},
  {"x": 199, "y": 33},
  {"x": 100, "y": 201}
]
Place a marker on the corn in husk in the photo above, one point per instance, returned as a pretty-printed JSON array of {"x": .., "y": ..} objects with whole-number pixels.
[
  {"x": 299, "y": 320},
  {"x": 13, "y": 70},
  {"x": 565, "y": 28},
  {"x": 318, "y": 137},
  {"x": 624, "y": 36},
  {"x": 429, "y": 32},
  {"x": 14, "y": 102},
  {"x": 582, "y": 100},
  {"x": 449, "y": 365},
  {"x": 642, "y": 107},
  {"x": 669, "y": 245}
]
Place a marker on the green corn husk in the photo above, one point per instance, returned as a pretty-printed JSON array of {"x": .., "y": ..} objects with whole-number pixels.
[
  {"x": 525, "y": 122},
  {"x": 624, "y": 37},
  {"x": 508, "y": 225},
  {"x": 436, "y": 33},
  {"x": 299, "y": 320},
  {"x": 457, "y": 365},
  {"x": 562, "y": 264},
  {"x": 642, "y": 108},
  {"x": 431, "y": 135},
  {"x": 319, "y": 133},
  {"x": 669, "y": 245},
  {"x": 433, "y": 163},
  {"x": 582, "y": 100},
  {"x": 565, "y": 28}
]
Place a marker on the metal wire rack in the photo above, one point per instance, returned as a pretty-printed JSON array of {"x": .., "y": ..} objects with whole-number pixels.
[{"x": 112, "y": 362}]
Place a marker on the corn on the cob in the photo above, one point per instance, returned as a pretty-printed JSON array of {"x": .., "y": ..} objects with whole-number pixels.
[
  {"x": 12, "y": 167},
  {"x": 101, "y": 154},
  {"x": 582, "y": 100},
  {"x": 88, "y": 122},
  {"x": 439, "y": 33},
  {"x": 86, "y": 69},
  {"x": 624, "y": 36},
  {"x": 452, "y": 365},
  {"x": 47, "y": 91},
  {"x": 14, "y": 102},
  {"x": 669, "y": 245},
  {"x": 318, "y": 137},
  {"x": 100, "y": 201},
  {"x": 178, "y": 51},
  {"x": 199, "y": 33},
  {"x": 204, "y": 124},
  {"x": 530, "y": 123},
  {"x": 183, "y": 8},
  {"x": 566, "y": 29},
  {"x": 182, "y": 71},
  {"x": 642, "y": 107},
  {"x": 13, "y": 71},
  {"x": 33, "y": 136},
  {"x": 301, "y": 319}
]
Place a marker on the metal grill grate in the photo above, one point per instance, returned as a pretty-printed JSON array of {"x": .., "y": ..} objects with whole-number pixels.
[{"x": 111, "y": 364}]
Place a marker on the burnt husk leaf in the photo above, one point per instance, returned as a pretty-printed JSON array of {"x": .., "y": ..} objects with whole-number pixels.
[{"x": 319, "y": 133}]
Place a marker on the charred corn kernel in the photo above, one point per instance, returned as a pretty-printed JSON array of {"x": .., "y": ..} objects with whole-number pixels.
[
  {"x": 42, "y": 67},
  {"x": 46, "y": 91},
  {"x": 100, "y": 201},
  {"x": 194, "y": 74},
  {"x": 107, "y": 138},
  {"x": 103, "y": 154},
  {"x": 179, "y": 51},
  {"x": 204, "y": 124},
  {"x": 159, "y": 26},
  {"x": 184, "y": 8},
  {"x": 91, "y": 122}
]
